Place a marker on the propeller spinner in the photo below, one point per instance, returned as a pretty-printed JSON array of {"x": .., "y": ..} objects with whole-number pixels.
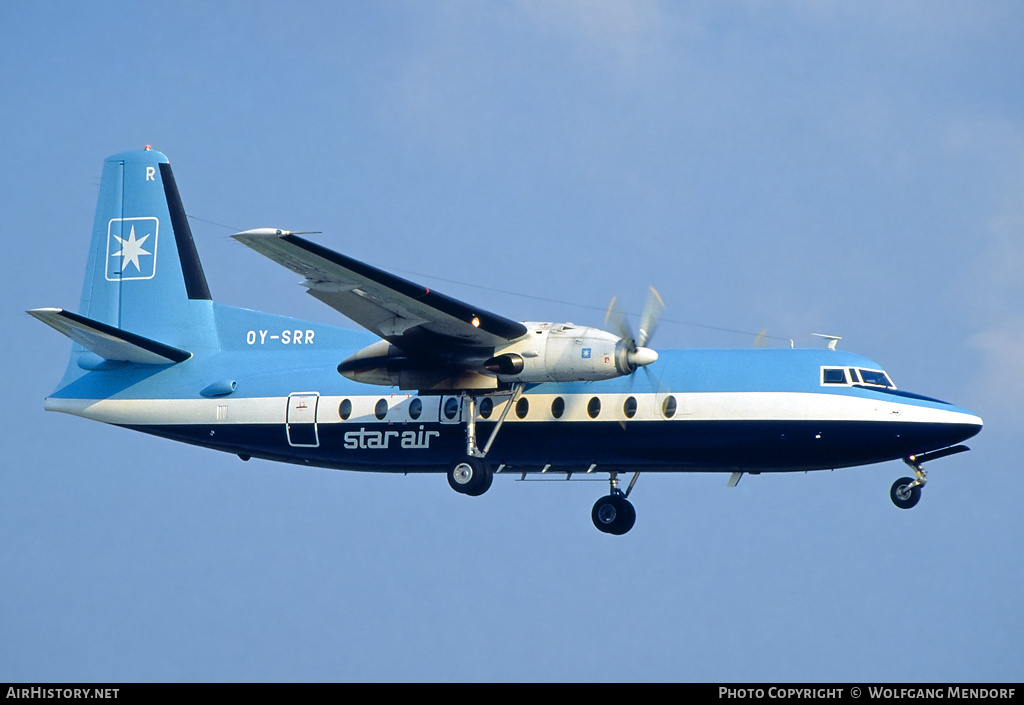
[{"x": 631, "y": 352}]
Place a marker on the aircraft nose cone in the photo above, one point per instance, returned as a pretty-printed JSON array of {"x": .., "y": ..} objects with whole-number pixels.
[
  {"x": 956, "y": 428},
  {"x": 642, "y": 357},
  {"x": 971, "y": 425},
  {"x": 963, "y": 424}
]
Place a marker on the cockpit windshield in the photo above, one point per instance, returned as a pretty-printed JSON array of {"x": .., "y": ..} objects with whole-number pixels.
[
  {"x": 855, "y": 376},
  {"x": 876, "y": 378}
]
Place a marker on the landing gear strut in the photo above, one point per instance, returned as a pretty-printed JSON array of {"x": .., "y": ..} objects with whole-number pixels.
[
  {"x": 614, "y": 514},
  {"x": 472, "y": 475},
  {"x": 906, "y": 491}
]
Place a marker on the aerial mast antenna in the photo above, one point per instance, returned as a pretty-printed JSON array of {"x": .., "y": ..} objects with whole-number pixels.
[{"x": 832, "y": 339}]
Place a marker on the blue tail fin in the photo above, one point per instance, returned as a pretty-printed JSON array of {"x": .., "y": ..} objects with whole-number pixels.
[{"x": 144, "y": 274}]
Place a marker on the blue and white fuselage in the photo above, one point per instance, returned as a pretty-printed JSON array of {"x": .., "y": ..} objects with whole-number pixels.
[
  {"x": 706, "y": 410},
  {"x": 155, "y": 354}
]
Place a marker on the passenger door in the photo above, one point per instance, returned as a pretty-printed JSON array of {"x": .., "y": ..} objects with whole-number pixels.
[{"x": 301, "y": 420}]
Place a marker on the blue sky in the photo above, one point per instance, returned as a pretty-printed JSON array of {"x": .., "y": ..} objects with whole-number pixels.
[{"x": 852, "y": 169}]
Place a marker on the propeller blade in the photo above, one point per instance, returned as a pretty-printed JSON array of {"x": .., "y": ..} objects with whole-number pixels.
[
  {"x": 649, "y": 320},
  {"x": 617, "y": 320}
]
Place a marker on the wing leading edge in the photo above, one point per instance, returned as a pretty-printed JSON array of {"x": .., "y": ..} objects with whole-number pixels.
[{"x": 404, "y": 313}]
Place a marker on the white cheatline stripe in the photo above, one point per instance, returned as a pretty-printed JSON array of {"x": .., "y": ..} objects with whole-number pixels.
[{"x": 709, "y": 406}]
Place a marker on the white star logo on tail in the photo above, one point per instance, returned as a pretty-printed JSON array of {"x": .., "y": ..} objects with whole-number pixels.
[
  {"x": 132, "y": 257},
  {"x": 130, "y": 250}
]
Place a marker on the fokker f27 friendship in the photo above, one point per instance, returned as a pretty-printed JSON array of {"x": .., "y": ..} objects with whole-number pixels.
[{"x": 443, "y": 386}]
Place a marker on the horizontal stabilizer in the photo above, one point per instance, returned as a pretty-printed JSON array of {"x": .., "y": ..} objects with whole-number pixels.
[{"x": 109, "y": 342}]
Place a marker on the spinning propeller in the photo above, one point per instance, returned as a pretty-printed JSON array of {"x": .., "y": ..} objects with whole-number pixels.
[{"x": 631, "y": 352}]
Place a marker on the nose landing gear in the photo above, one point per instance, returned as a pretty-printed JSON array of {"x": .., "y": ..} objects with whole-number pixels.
[{"x": 906, "y": 492}]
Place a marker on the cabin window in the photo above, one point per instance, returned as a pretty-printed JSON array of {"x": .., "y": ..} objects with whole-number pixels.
[
  {"x": 629, "y": 407},
  {"x": 522, "y": 408},
  {"x": 854, "y": 376},
  {"x": 833, "y": 375},
  {"x": 415, "y": 408},
  {"x": 380, "y": 410},
  {"x": 876, "y": 378},
  {"x": 558, "y": 407},
  {"x": 486, "y": 407},
  {"x": 451, "y": 408},
  {"x": 345, "y": 409},
  {"x": 668, "y": 407},
  {"x": 594, "y": 407}
]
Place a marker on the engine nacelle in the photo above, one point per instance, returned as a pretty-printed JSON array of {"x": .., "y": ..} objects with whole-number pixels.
[
  {"x": 562, "y": 352},
  {"x": 549, "y": 352},
  {"x": 387, "y": 365}
]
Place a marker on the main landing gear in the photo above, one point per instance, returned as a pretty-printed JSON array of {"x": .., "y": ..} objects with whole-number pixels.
[
  {"x": 472, "y": 475},
  {"x": 613, "y": 513},
  {"x": 906, "y": 491}
]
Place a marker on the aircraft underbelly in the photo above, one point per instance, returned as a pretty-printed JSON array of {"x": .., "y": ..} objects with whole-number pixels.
[{"x": 689, "y": 446}]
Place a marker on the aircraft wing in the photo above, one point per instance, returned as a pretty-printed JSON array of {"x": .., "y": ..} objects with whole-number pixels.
[{"x": 402, "y": 312}]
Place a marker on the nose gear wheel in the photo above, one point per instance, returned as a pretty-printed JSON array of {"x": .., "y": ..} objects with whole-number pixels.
[{"x": 905, "y": 493}]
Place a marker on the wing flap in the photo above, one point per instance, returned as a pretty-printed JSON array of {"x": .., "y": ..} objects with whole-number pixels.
[
  {"x": 109, "y": 342},
  {"x": 406, "y": 314}
]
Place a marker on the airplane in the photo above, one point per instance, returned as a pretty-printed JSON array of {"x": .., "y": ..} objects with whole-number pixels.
[{"x": 438, "y": 385}]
